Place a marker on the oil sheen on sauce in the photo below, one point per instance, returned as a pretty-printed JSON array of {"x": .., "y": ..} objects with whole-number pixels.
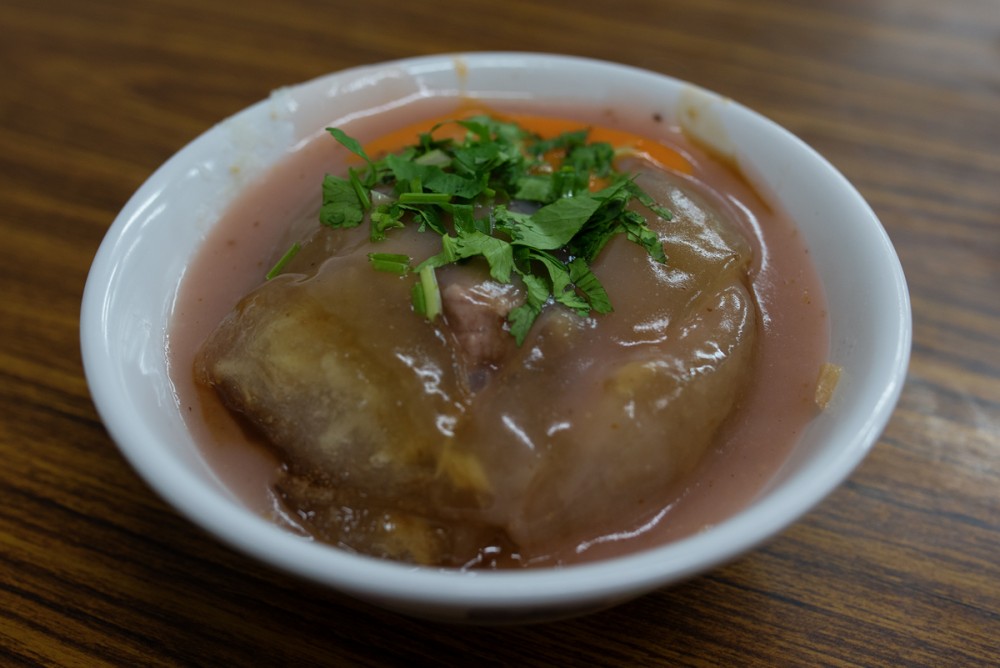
[{"x": 749, "y": 449}]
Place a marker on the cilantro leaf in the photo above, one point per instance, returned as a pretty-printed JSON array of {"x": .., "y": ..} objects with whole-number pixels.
[
  {"x": 472, "y": 243},
  {"x": 354, "y": 146},
  {"x": 534, "y": 188},
  {"x": 562, "y": 288},
  {"x": 553, "y": 225},
  {"x": 651, "y": 204},
  {"x": 521, "y": 318},
  {"x": 587, "y": 283},
  {"x": 383, "y": 219},
  {"x": 429, "y": 216},
  {"x": 563, "y": 142},
  {"x": 341, "y": 206},
  {"x": 638, "y": 232}
]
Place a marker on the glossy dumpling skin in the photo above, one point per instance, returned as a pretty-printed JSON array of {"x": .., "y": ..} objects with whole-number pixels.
[{"x": 439, "y": 443}]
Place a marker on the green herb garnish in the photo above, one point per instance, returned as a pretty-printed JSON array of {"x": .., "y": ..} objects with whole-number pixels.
[
  {"x": 283, "y": 260},
  {"x": 393, "y": 263},
  {"x": 536, "y": 220}
]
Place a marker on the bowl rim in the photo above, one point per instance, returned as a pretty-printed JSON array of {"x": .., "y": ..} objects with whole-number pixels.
[{"x": 400, "y": 584}]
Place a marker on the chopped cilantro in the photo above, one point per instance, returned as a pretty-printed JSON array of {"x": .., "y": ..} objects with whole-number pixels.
[
  {"x": 393, "y": 263},
  {"x": 539, "y": 216},
  {"x": 341, "y": 206},
  {"x": 283, "y": 260},
  {"x": 426, "y": 295}
]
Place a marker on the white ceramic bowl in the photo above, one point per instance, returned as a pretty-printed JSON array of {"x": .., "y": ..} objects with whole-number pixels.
[{"x": 134, "y": 280}]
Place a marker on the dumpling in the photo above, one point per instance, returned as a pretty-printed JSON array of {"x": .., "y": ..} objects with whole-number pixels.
[{"x": 443, "y": 443}]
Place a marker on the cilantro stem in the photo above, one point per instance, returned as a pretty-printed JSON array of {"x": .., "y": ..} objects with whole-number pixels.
[
  {"x": 359, "y": 188},
  {"x": 432, "y": 293},
  {"x": 392, "y": 263},
  {"x": 285, "y": 259},
  {"x": 424, "y": 198}
]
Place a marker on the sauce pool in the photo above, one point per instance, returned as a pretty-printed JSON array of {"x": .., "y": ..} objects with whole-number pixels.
[{"x": 750, "y": 448}]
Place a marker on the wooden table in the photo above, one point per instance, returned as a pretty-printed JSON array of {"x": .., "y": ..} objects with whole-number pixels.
[{"x": 901, "y": 566}]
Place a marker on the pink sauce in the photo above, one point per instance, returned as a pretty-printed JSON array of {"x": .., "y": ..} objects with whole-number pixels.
[{"x": 750, "y": 449}]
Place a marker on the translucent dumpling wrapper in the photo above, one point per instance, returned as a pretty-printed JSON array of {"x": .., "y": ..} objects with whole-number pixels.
[{"x": 448, "y": 444}]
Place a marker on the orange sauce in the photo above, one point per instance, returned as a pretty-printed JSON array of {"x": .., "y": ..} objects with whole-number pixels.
[{"x": 546, "y": 127}]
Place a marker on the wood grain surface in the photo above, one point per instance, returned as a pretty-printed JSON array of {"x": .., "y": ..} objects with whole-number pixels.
[{"x": 901, "y": 566}]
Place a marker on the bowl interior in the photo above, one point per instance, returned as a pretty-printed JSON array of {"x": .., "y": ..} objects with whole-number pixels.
[{"x": 133, "y": 284}]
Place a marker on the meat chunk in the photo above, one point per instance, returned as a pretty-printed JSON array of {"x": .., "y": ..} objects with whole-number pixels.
[{"x": 475, "y": 311}]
